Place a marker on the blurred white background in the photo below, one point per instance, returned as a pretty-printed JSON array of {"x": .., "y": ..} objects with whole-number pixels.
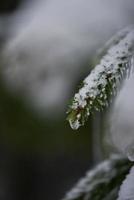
[{"x": 50, "y": 40}]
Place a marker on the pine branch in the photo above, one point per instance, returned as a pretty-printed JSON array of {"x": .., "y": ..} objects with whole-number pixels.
[
  {"x": 104, "y": 80},
  {"x": 103, "y": 182}
]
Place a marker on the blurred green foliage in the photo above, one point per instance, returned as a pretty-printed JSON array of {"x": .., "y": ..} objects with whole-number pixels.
[
  {"x": 7, "y": 6},
  {"x": 23, "y": 129}
]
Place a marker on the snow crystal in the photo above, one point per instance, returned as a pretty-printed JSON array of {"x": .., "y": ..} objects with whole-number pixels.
[{"x": 110, "y": 69}]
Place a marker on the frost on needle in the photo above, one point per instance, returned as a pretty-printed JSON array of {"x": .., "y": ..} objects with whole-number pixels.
[{"x": 104, "y": 80}]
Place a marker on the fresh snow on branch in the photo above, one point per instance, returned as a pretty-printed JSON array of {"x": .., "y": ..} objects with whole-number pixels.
[
  {"x": 102, "y": 83},
  {"x": 108, "y": 175}
]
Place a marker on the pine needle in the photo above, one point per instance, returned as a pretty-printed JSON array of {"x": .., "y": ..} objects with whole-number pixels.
[{"x": 104, "y": 80}]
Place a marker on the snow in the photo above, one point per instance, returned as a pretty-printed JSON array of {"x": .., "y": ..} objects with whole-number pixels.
[
  {"x": 116, "y": 60},
  {"x": 127, "y": 188},
  {"x": 103, "y": 173},
  {"x": 121, "y": 121}
]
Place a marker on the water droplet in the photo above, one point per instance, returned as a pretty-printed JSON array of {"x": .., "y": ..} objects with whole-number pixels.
[{"x": 74, "y": 124}]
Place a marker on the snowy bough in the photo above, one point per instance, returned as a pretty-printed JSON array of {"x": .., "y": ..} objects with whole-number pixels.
[
  {"x": 103, "y": 81},
  {"x": 103, "y": 182},
  {"x": 114, "y": 178}
]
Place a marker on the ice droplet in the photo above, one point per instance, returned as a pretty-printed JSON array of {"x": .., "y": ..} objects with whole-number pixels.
[{"x": 74, "y": 124}]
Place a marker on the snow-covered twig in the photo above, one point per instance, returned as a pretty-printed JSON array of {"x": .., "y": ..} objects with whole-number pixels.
[
  {"x": 104, "y": 79},
  {"x": 102, "y": 182}
]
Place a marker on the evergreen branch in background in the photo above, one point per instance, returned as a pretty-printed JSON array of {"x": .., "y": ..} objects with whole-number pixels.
[
  {"x": 102, "y": 83},
  {"x": 103, "y": 182}
]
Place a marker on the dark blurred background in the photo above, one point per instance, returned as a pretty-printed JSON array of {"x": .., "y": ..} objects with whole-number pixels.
[{"x": 46, "y": 49}]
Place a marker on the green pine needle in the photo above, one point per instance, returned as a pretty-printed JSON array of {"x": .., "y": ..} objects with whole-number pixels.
[{"x": 104, "y": 80}]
